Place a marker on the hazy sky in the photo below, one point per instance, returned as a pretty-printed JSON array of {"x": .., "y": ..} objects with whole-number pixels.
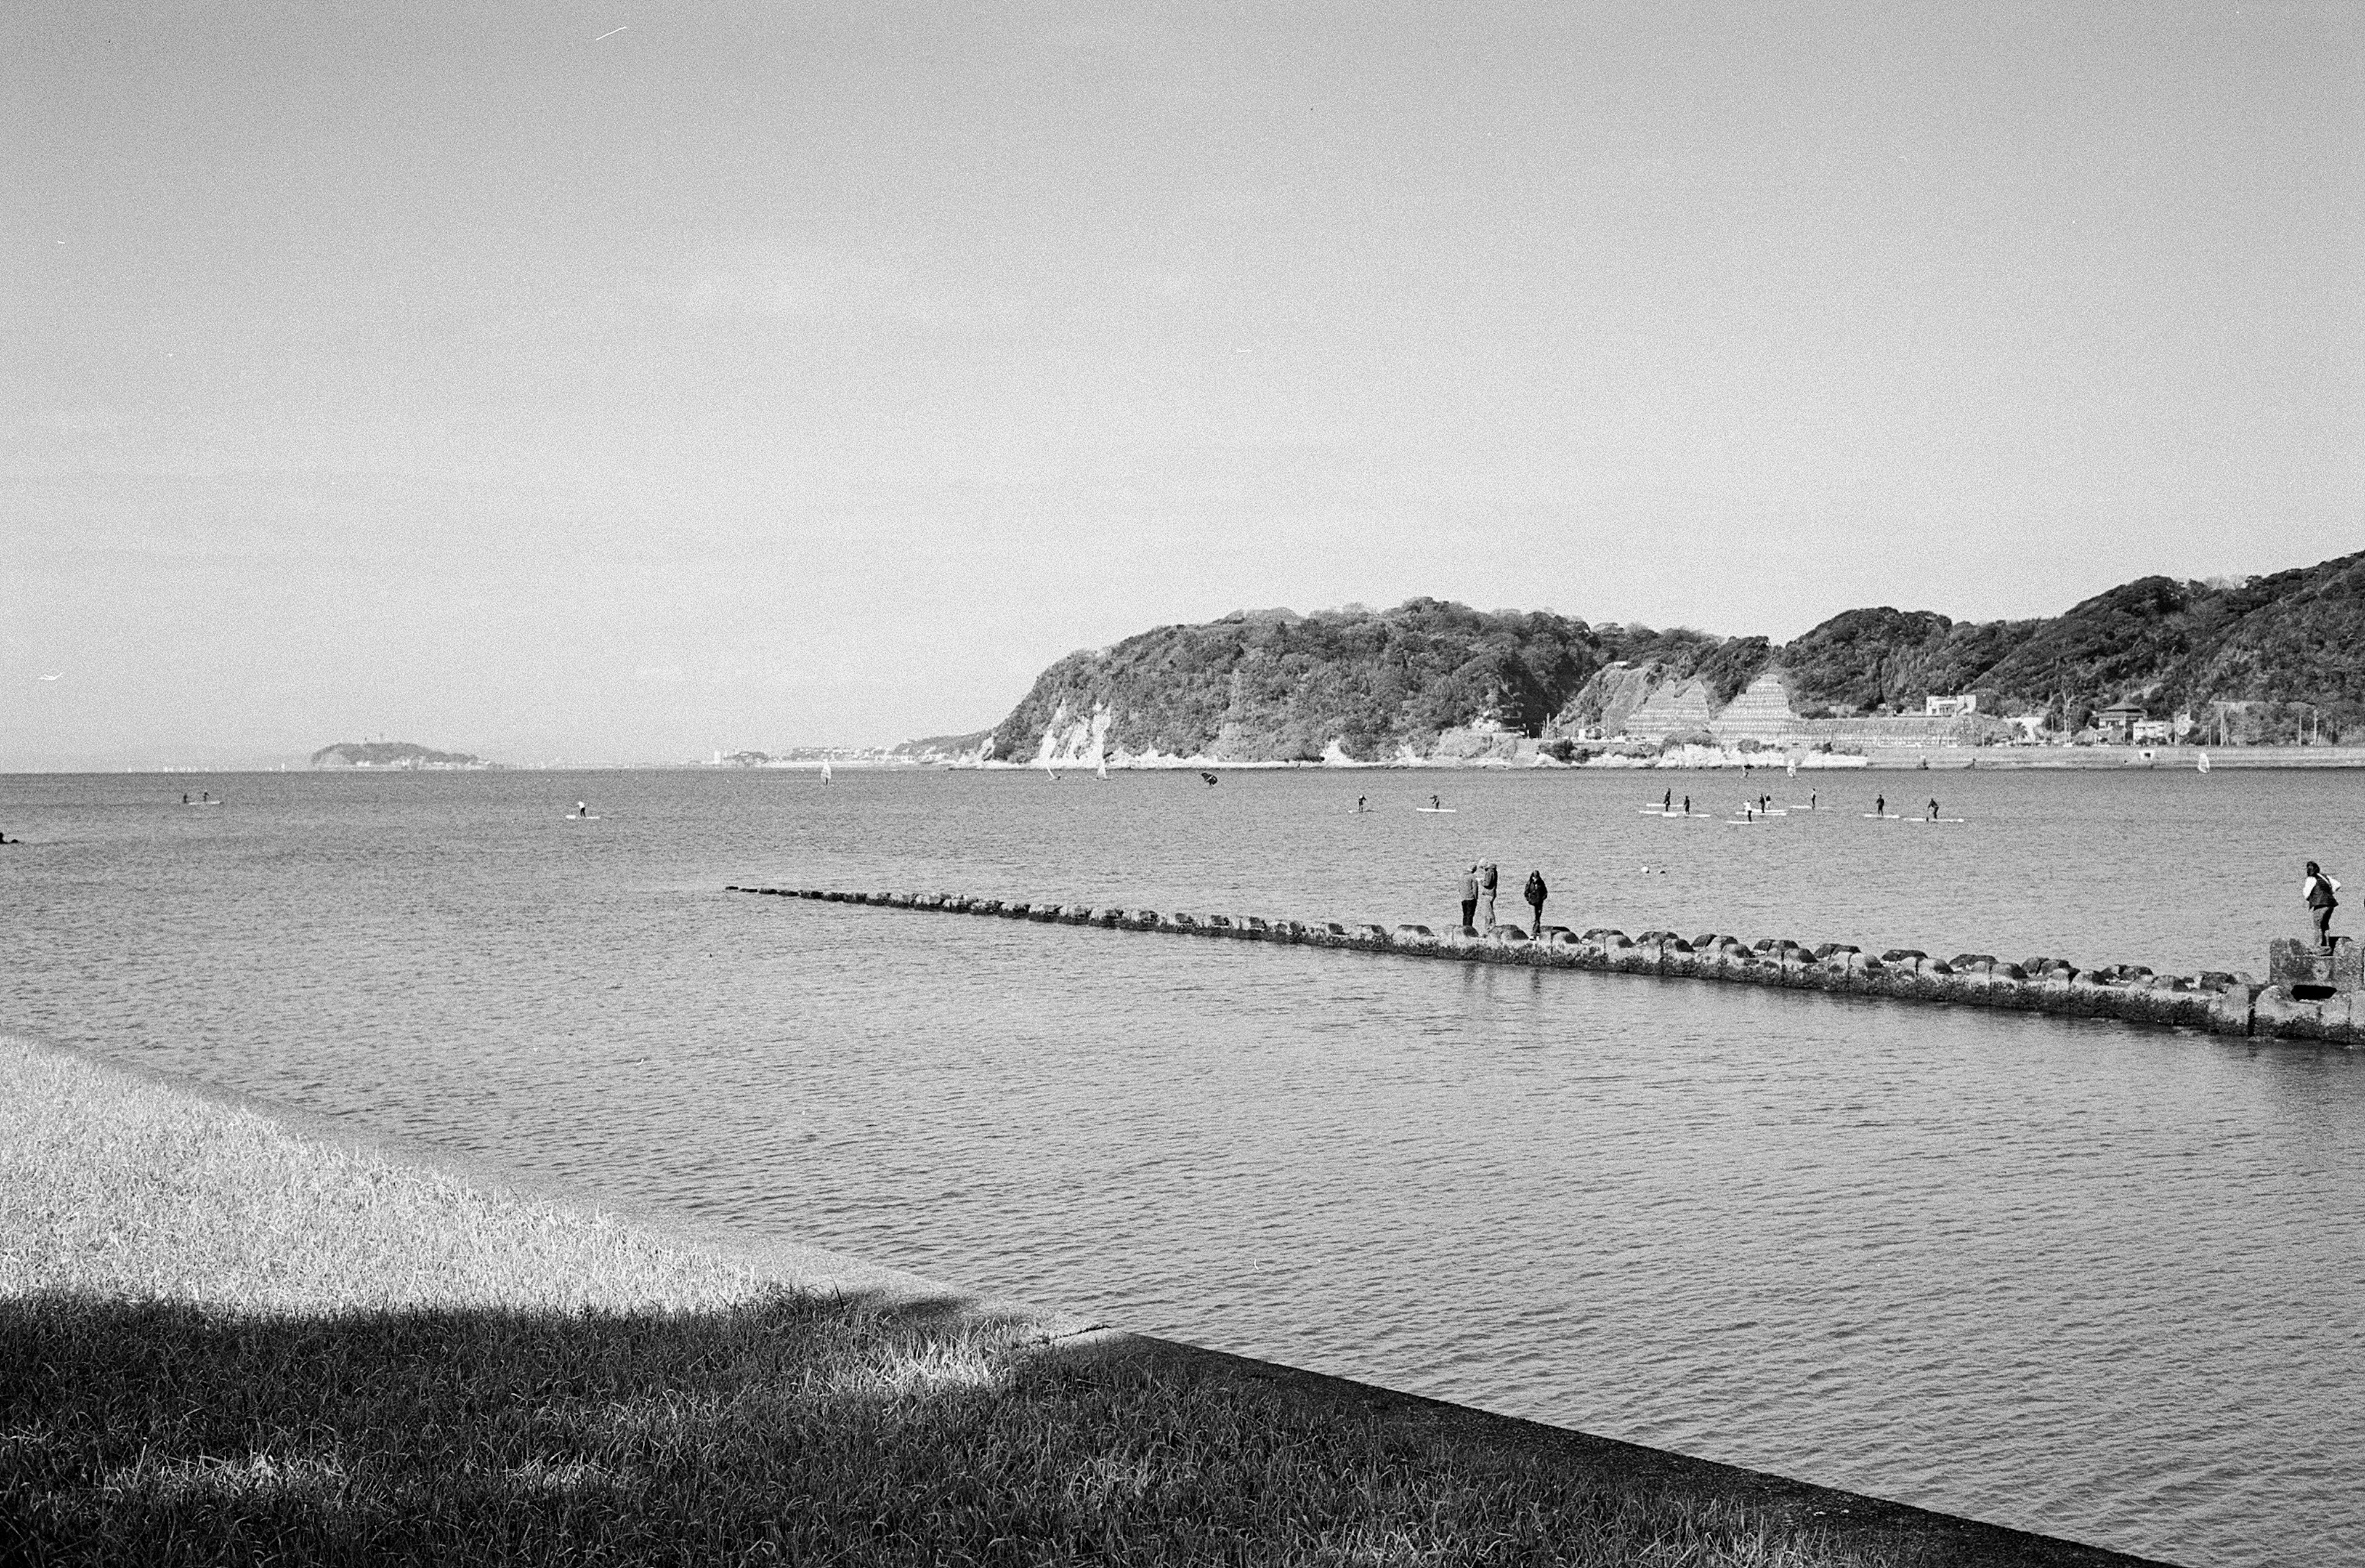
[{"x": 763, "y": 374}]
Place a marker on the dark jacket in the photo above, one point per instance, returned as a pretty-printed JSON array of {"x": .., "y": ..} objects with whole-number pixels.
[{"x": 1536, "y": 888}]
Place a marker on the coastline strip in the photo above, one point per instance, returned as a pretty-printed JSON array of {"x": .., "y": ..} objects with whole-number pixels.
[
  {"x": 2216, "y": 1002},
  {"x": 229, "y": 1341}
]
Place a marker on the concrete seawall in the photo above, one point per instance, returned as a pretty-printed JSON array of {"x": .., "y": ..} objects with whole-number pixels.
[{"x": 2218, "y": 1001}]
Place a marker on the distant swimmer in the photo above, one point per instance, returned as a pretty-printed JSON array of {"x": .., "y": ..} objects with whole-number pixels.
[{"x": 2318, "y": 889}]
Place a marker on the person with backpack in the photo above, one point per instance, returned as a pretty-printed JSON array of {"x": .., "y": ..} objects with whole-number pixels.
[
  {"x": 1487, "y": 897},
  {"x": 1537, "y": 892},
  {"x": 2318, "y": 889}
]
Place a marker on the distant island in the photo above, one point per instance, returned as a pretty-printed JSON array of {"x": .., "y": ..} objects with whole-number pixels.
[
  {"x": 393, "y": 753},
  {"x": 2266, "y": 660}
]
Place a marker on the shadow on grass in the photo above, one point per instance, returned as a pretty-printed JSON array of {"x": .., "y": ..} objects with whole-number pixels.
[{"x": 788, "y": 1429}]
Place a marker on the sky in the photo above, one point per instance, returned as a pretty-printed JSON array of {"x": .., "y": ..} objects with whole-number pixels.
[{"x": 613, "y": 382}]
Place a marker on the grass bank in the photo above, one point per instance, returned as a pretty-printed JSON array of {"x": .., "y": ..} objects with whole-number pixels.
[{"x": 224, "y": 1342}]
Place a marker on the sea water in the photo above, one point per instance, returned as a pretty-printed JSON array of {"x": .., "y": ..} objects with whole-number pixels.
[{"x": 2075, "y": 1276}]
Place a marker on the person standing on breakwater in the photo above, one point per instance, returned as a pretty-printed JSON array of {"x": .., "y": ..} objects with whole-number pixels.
[
  {"x": 2318, "y": 889},
  {"x": 1470, "y": 895},
  {"x": 1486, "y": 896},
  {"x": 1537, "y": 893}
]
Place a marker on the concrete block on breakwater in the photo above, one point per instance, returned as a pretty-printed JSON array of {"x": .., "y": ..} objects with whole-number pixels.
[{"x": 2311, "y": 995}]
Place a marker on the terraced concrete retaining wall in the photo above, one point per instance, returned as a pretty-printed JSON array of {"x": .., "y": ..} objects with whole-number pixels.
[{"x": 2223, "y": 1003}]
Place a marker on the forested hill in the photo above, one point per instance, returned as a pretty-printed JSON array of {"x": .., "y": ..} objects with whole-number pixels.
[
  {"x": 392, "y": 754},
  {"x": 1273, "y": 685}
]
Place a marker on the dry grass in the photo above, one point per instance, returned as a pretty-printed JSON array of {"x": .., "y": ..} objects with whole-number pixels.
[{"x": 223, "y": 1343}]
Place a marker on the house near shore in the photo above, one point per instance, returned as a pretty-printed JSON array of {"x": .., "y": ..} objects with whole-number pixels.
[{"x": 2118, "y": 721}]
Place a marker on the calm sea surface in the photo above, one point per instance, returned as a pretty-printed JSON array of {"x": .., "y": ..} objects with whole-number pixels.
[{"x": 2098, "y": 1280}]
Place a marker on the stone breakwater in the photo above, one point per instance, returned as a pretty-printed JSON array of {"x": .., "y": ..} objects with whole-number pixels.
[{"x": 2317, "y": 1007}]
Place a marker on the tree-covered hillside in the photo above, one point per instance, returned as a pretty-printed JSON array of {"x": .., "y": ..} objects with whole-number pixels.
[
  {"x": 1273, "y": 685},
  {"x": 1278, "y": 686},
  {"x": 391, "y": 753}
]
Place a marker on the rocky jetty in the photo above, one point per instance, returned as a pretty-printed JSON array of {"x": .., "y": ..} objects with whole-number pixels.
[{"x": 2309, "y": 995}]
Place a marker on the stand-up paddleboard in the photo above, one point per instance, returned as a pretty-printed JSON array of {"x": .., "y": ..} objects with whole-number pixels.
[
  {"x": 1882, "y": 817},
  {"x": 1936, "y": 818},
  {"x": 580, "y": 817},
  {"x": 1436, "y": 811}
]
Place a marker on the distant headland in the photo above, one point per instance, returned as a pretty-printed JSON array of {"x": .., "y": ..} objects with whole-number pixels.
[
  {"x": 2275, "y": 661},
  {"x": 393, "y": 753}
]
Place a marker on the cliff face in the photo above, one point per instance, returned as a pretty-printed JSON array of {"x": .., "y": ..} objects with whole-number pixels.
[{"x": 1429, "y": 677}]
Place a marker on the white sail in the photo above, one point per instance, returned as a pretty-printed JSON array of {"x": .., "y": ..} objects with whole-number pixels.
[
  {"x": 2204, "y": 763},
  {"x": 824, "y": 770},
  {"x": 1102, "y": 771}
]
